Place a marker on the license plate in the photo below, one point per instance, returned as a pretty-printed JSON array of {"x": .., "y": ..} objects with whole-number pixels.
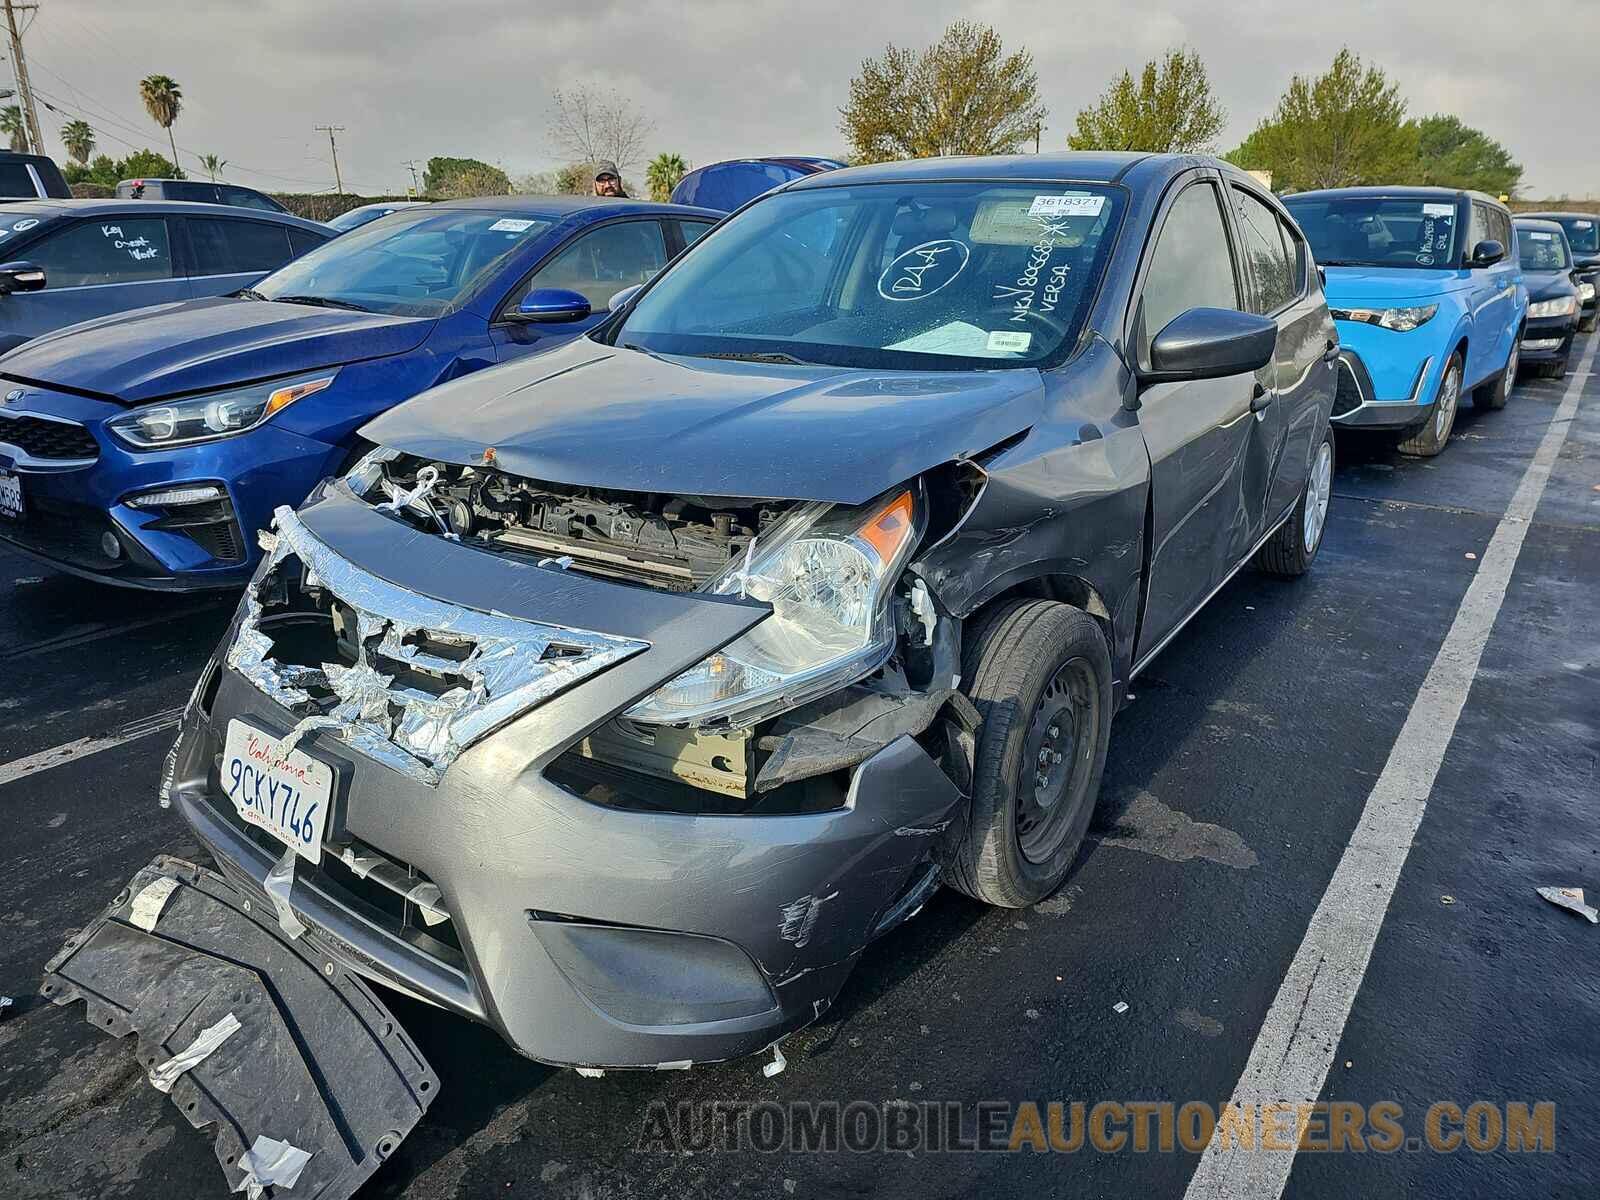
[
  {"x": 287, "y": 795},
  {"x": 10, "y": 496}
]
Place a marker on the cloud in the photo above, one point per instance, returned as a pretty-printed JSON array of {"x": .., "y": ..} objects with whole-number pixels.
[{"x": 473, "y": 77}]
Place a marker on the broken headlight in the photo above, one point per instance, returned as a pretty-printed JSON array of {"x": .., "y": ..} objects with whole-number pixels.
[{"x": 828, "y": 575}]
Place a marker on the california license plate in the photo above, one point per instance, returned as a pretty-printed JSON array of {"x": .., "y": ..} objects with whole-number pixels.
[
  {"x": 10, "y": 495},
  {"x": 285, "y": 794}
]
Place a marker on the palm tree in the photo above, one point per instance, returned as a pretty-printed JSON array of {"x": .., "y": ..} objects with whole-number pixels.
[
  {"x": 213, "y": 165},
  {"x": 78, "y": 138},
  {"x": 11, "y": 125},
  {"x": 663, "y": 174},
  {"x": 163, "y": 100}
]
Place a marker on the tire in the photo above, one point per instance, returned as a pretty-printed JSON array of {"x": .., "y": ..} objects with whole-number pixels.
[
  {"x": 1587, "y": 325},
  {"x": 1290, "y": 552},
  {"x": 1033, "y": 666},
  {"x": 1553, "y": 370},
  {"x": 1432, "y": 437},
  {"x": 1497, "y": 391}
]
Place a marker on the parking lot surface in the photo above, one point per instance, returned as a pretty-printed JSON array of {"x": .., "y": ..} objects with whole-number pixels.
[{"x": 1254, "y": 750}]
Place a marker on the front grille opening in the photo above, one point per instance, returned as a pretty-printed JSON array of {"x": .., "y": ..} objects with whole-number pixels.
[
  {"x": 632, "y": 791},
  {"x": 49, "y": 439},
  {"x": 211, "y": 525}
]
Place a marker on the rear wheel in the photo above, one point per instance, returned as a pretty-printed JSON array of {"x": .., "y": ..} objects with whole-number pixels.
[
  {"x": 1290, "y": 551},
  {"x": 1495, "y": 393},
  {"x": 1433, "y": 436},
  {"x": 1040, "y": 675}
]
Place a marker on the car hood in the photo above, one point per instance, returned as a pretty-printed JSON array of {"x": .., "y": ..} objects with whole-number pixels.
[
  {"x": 590, "y": 415},
  {"x": 200, "y": 345},
  {"x": 1549, "y": 285},
  {"x": 1389, "y": 285}
]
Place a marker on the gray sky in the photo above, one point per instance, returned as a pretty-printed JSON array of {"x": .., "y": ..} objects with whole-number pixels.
[{"x": 469, "y": 77}]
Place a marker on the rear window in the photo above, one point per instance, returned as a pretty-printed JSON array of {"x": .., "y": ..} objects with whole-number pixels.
[
  {"x": 16, "y": 182},
  {"x": 224, "y": 247}
]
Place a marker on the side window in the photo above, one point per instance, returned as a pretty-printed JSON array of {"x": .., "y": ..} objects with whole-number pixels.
[
  {"x": 301, "y": 241},
  {"x": 114, "y": 250},
  {"x": 692, "y": 231},
  {"x": 1263, "y": 245},
  {"x": 602, "y": 262},
  {"x": 15, "y": 181},
  {"x": 224, "y": 247},
  {"x": 1482, "y": 227},
  {"x": 1191, "y": 267},
  {"x": 1507, "y": 236},
  {"x": 1295, "y": 245},
  {"x": 244, "y": 198}
]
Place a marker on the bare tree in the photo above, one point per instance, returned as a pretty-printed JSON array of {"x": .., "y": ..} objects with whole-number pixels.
[{"x": 592, "y": 126}]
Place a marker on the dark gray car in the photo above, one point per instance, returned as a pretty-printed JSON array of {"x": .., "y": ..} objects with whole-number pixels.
[
  {"x": 66, "y": 261},
  {"x": 623, "y": 695}
]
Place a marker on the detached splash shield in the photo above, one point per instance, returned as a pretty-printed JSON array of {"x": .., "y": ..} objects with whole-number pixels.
[{"x": 267, "y": 1040}]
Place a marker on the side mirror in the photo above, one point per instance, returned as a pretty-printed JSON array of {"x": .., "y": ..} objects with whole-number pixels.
[
  {"x": 551, "y": 306},
  {"x": 1487, "y": 252},
  {"x": 1211, "y": 343},
  {"x": 20, "y": 277},
  {"x": 622, "y": 297}
]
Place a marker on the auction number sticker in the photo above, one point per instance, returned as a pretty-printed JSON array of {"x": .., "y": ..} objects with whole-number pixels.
[
  {"x": 1067, "y": 206},
  {"x": 511, "y": 225}
]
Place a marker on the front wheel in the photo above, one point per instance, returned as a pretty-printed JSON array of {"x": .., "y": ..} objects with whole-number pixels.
[
  {"x": 1433, "y": 436},
  {"x": 1289, "y": 552},
  {"x": 1497, "y": 391},
  {"x": 1040, "y": 675}
]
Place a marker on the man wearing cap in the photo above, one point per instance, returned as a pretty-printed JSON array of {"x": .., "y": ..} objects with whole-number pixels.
[{"x": 608, "y": 180}]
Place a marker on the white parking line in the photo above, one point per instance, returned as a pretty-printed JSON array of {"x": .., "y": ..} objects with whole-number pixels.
[
  {"x": 1289, "y": 1062},
  {"x": 21, "y": 768}
]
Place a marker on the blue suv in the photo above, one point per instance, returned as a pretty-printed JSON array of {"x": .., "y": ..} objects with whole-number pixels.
[
  {"x": 146, "y": 449},
  {"x": 1426, "y": 288}
]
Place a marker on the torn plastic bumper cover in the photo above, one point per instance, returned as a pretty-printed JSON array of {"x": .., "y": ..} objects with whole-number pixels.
[{"x": 279, "y": 1047}]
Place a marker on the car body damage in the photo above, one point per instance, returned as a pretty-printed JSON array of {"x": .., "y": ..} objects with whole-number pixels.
[{"x": 621, "y": 698}]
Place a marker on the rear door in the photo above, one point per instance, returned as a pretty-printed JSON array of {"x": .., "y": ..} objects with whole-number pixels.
[
  {"x": 1201, "y": 435},
  {"x": 95, "y": 268},
  {"x": 597, "y": 262},
  {"x": 229, "y": 253}
]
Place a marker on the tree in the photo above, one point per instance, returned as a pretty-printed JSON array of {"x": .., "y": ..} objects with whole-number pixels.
[
  {"x": 163, "y": 100},
  {"x": 964, "y": 95},
  {"x": 147, "y": 164},
  {"x": 1170, "y": 110},
  {"x": 455, "y": 178},
  {"x": 1451, "y": 154},
  {"x": 663, "y": 174},
  {"x": 11, "y": 125},
  {"x": 1341, "y": 129},
  {"x": 78, "y": 138},
  {"x": 593, "y": 126},
  {"x": 213, "y": 165}
]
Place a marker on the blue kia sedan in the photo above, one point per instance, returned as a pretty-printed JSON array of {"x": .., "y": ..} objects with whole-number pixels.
[
  {"x": 66, "y": 261},
  {"x": 1426, "y": 287},
  {"x": 147, "y": 449}
]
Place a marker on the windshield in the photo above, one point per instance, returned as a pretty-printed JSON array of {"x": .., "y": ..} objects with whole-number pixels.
[
  {"x": 412, "y": 265},
  {"x": 1583, "y": 233},
  {"x": 1542, "y": 250},
  {"x": 1378, "y": 231},
  {"x": 909, "y": 275}
]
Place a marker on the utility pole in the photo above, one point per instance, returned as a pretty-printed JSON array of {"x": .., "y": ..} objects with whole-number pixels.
[
  {"x": 333, "y": 146},
  {"x": 416, "y": 185},
  {"x": 20, "y": 66}
]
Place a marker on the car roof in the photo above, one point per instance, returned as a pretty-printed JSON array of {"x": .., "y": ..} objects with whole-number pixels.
[
  {"x": 1069, "y": 166},
  {"x": 1398, "y": 192},
  {"x": 1551, "y": 214},
  {"x": 561, "y": 207},
  {"x": 1539, "y": 223},
  {"x": 129, "y": 208}
]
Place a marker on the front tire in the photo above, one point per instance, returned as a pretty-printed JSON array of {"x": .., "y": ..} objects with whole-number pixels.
[
  {"x": 1290, "y": 552},
  {"x": 1432, "y": 437},
  {"x": 1495, "y": 394},
  {"x": 1040, "y": 675}
]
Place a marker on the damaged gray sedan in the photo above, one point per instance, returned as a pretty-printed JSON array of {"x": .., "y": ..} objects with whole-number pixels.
[{"x": 620, "y": 697}]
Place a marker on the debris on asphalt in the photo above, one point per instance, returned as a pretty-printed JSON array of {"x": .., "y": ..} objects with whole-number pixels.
[
  {"x": 152, "y": 898},
  {"x": 1121, "y": 1006},
  {"x": 592, "y": 1072},
  {"x": 163, "y": 1077},
  {"x": 1571, "y": 899},
  {"x": 270, "y": 1163},
  {"x": 778, "y": 1063},
  {"x": 1447, "y": 899},
  {"x": 1471, "y": 555}
]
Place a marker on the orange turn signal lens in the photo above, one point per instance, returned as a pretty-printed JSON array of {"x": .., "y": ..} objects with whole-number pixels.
[
  {"x": 286, "y": 396},
  {"x": 888, "y": 530}
]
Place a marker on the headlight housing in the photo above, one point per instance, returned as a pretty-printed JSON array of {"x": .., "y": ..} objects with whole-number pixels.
[
  {"x": 1585, "y": 292},
  {"x": 1400, "y": 320},
  {"x": 214, "y": 415},
  {"x": 1562, "y": 306},
  {"x": 828, "y": 575}
]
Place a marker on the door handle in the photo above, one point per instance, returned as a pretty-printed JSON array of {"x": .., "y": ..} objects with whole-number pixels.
[
  {"x": 1259, "y": 398},
  {"x": 1331, "y": 352}
]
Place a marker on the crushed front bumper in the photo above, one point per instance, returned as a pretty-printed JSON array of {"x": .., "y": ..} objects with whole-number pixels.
[{"x": 589, "y": 928}]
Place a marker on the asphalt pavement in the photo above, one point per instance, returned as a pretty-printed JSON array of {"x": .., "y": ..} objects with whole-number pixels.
[{"x": 1238, "y": 782}]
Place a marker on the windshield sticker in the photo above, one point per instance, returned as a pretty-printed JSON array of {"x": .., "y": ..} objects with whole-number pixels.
[
  {"x": 1438, "y": 210},
  {"x": 1543, "y": 237},
  {"x": 1009, "y": 341},
  {"x": 919, "y": 272},
  {"x": 1080, "y": 205},
  {"x": 1583, "y": 224},
  {"x": 511, "y": 225},
  {"x": 25, "y": 224}
]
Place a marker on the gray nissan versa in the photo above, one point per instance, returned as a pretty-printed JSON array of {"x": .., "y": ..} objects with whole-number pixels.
[{"x": 620, "y": 697}]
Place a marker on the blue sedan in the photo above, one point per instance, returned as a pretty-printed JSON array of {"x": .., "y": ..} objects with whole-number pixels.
[{"x": 147, "y": 449}]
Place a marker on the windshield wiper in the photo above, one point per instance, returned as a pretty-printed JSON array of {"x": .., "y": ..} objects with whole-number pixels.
[
  {"x": 322, "y": 302},
  {"x": 759, "y": 356},
  {"x": 249, "y": 294}
]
